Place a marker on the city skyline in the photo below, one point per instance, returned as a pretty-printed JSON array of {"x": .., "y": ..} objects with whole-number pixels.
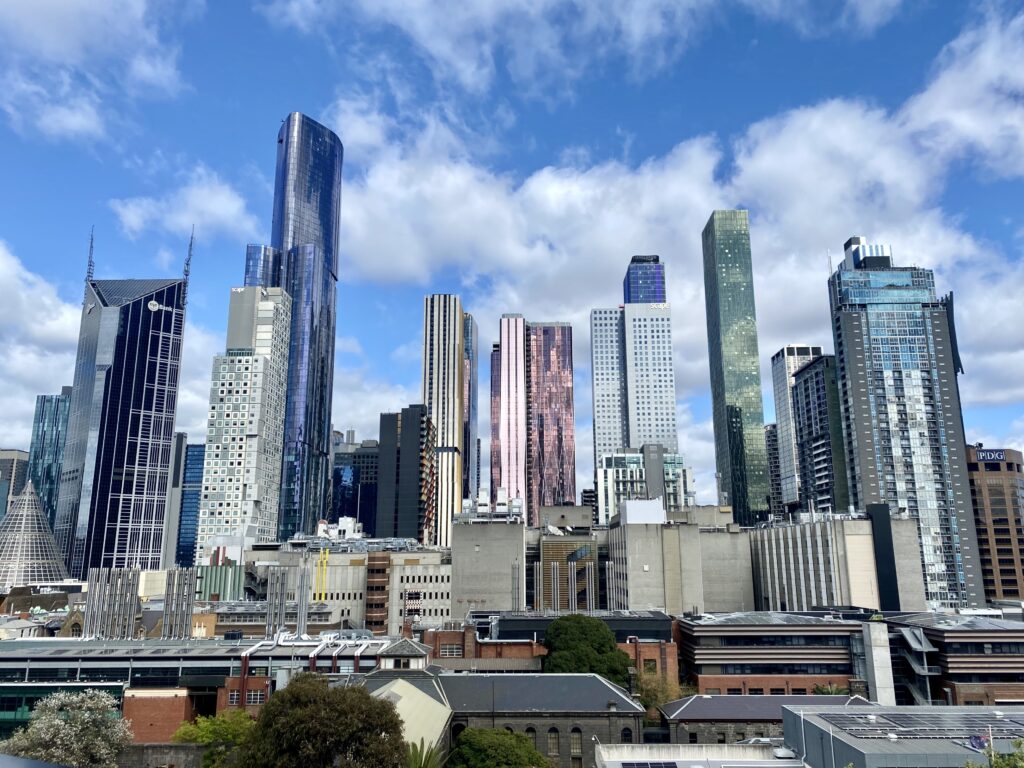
[{"x": 756, "y": 156}]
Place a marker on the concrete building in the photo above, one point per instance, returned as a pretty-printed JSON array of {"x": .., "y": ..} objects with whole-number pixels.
[
  {"x": 246, "y": 426},
  {"x": 407, "y": 476},
  {"x": 868, "y": 562},
  {"x": 776, "y": 509},
  {"x": 896, "y": 368},
  {"x": 699, "y": 562},
  {"x": 785, "y": 363},
  {"x": 646, "y": 473},
  {"x": 818, "y": 424},
  {"x": 443, "y": 391},
  {"x": 46, "y": 452},
  {"x": 175, "y": 482},
  {"x": 735, "y": 365},
  {"x": 488, "y": 564},
  {"x": 996, "y": 476}
]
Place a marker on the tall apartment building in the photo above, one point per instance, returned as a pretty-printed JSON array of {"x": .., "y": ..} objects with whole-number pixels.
[
  {"x": 191, "y": 495},
  {"x": 512, "y": 406},
  {"x": 120, "y": 425},
  {"x": 818, "y": 425},
  {"x": 735, "y": 366},
  {"x": 771, "y": 452},
  {"x": 46, "y": 452},
  {"x": 997, "y": 497},
  {"x": 407, "y": 476},
  {"x": 303, "y": 260},
  {"x": 470, "y": 407},
  {"x": 786, "y": 362},
  {"x": 646, "y": 473},
  {"x": 443, "y": 388},
  {"x": 896, "y": 366},
  {"x": 245, "y": 433},
  {"x": 13, "y": 476}
]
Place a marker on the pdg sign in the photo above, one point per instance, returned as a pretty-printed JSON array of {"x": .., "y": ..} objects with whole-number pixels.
[{"x": 991, "y": 455}]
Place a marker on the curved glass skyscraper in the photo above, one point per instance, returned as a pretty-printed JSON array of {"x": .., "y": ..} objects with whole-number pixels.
[{"x": 303, "y": 259}]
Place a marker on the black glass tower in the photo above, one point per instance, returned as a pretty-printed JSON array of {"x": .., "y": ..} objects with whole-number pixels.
[
  {"x": 303, "y": 259},
  {"x": 46, "y": 454}
]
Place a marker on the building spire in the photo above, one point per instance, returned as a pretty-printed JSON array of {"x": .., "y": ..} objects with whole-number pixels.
[
  {"x": 90, "y": 268},
  {"x": 188, "y": 267}
]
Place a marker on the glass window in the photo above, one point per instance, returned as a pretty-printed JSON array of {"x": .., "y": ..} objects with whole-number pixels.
[{"x": 553, "y": 741}]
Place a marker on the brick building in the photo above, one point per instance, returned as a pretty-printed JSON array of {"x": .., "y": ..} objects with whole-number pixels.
[{"x": 997, "y": 495}]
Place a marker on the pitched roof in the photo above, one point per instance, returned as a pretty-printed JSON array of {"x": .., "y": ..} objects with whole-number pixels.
[
  {"x": 422, "y": 680},
  {"x": 522, "y": 693},
  {"x": 28, "y": 551},
  {"x": 117, "y": 293},
  {"x": 405, "y": 648},
  {"x": 747, "y": 708}
]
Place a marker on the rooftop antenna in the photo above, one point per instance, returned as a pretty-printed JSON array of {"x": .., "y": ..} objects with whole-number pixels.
[
  {"x": 828, "y": 255},
  {"x": 188, "y": 267},
  {"x": 90, "y": 268}
]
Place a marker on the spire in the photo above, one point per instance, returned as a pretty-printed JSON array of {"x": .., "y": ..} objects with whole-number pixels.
[
  {"x": 90, "y": 268},
  {"x": 188, "y": 267}
]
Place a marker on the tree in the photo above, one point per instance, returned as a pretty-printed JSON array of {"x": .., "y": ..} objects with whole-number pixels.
[
  {"x": 81, "y": 729},
  {"x": 831, "y": 689},
  {"x": 422, "y": 756},
  {"x": 578, "y": 643},
  {"x": 487, "y": 748},
  {"x": 993, "y": 759},
  {"x": 221, "y": 735},
  {"x": 310, "y": 725},
  {"x": 655, "y": 690}
]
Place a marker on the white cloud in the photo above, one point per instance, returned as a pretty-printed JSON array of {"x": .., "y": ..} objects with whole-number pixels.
[
  {"x": 868, "y": 15},
  {"x": 360, "y": 397},
  {"x": 204, "y": 200}
]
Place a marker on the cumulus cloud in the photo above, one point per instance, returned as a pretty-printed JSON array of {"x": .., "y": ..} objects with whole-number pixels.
[{"x": 204, "y": 200}]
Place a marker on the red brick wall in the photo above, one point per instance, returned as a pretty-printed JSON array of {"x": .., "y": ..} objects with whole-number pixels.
[
  {"x": 766, "y": 682},
  {"x": 156, "y": 718},
  {"x": 235, "y": 684},
  {"x": 665, "y": 656}
]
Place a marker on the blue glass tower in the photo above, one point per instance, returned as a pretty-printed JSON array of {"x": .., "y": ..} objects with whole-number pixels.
[
  {"x": 46, "y": 453},
  {"x": 644, "y": 282},
  {"x": 303, "y": 259},
  {"x": 191, "y": 492}
]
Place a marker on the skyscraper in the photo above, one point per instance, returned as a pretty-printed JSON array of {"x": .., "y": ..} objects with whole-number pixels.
[
  {"x": 245, "y": 429},
  {"x": 172, "y": 516},
  {"x": 896, "y": 365},
  {"x": 113, "y": 489},
  {"x": 46, "y": 453},
  {"x": 495, "y": 451},
  {"x": 735, "y": 369},
  {"x": 470, "y": 398},
  {"x": 771, "y": 448},
  {"x": 13, "y": 476},
  {"x": 550, "y": 417},
  {"x": 407, "y": 478},
  {"x": 785, "y": 363},
  {"x": 608, "y": 367},
  {"x": 191, "y": 495},
  {"x": 512, "y": 417},
  {"x": 644, "y": 282},
  {"x": 818, "y": 424},
  {"x": 355, "y": 485},
  {"x": 997, "y": 496},
  {"x": 443, "y": 359},
  {"x": 303, "y": 259}
]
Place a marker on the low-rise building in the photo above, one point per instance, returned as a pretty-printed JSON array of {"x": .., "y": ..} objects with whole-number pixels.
[{"x": 704, "y": 755}]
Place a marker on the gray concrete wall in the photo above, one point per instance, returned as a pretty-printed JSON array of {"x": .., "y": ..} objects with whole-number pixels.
[
  {"x": 161, "y": 756},
  {"x": 909, "y": 573},
  {"x": 483, "y": 566}
]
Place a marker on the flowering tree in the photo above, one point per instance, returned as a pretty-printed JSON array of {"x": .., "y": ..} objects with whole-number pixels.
[{"x": 81, "y": 729}]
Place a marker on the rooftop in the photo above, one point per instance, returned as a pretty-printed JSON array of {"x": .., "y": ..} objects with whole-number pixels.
[
  {"x": 535, "y": 693},
  {"x": 761, "y": 618},
  {"x": 955, "y": 622},
  {"x": 748, "y": 708},
  {"x": 686, "y": 755}
]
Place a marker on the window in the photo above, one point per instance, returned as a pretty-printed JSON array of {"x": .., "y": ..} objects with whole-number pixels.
[
  {"x": 756, "y": 691},
  {"x": 451, "y": 651},
  {"x": 740, "y": 735},
  {"x": 234, "y": 697},
  {"x": 693, "y": 738},
  {"x": 553, "y": 741},
  {"x": 255, "y": 697},
  {"x": 650, "y": 665},
  {"x": 576, "y": 742},
  {"x": 720, "y": 737},
  {"x": 531, "y": 734},
  {"x": 778, "y": 691},
  {"x": 627, "y": 736}
]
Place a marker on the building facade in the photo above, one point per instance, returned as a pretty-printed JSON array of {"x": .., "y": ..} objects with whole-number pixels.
[
  {"x": 407, "y": 476},
  {"x": 735, "y": 365},
  {"x": 14, "y": 474},
  {"x": 120, "y": 425},
  {"x": 512, "y": 421},
  {"x": 818, "y": 424},
  {"x": 245, "y": 433},
  {"x": 786, "y": 362},
  {"x": 644, "y": 282},
  {"x": 355, "y": 485},
  {"x": 608, "y": 366},
  {"x": 470, "y": 407},
  {"x": 46, "y": 452},
  {"x": 896, "y": 368},
  {"x": 997, "y": 497},
  {"x": 175, "y": 481},
  {"x": 303, "y": 259},
  {"x": 647, "y": 473},
  {"x": 771, "y": 452},
  {"x": 443, "y": 388},
  {"x": 191, "y": 496},
  {"x": 495, "y": 451}
]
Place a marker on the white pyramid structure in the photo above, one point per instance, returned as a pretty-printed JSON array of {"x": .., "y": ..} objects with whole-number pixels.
[{"x": 28, "y": 551}]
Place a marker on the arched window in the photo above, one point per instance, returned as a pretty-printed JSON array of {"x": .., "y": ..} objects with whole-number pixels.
[
  {"x": 531, "y": 734},
  {"x": 553, "y": 741},
  {"x": 576, "y": 742},
  {"x": 509, "y": 729},
  {"x": 627, "y": 735},
  {"x": 457, "y": 730}
]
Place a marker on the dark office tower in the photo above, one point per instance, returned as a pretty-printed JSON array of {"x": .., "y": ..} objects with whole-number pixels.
[
  {"x": 771, "y": 447},
  {"x": 407, "y": 475},
  {"x": 495, "y": 421},
  {"x": 550, "y": 426},
  {"x": 191, "y": 494},
  {"x": 735, "y": 368},
  {"x": 113, "y": 489},
  {"x": 303, "y": 259},
  {"x": 818, "y": 426},
  {"x": 644, "y": 282},
  {"x": 13, "y": 476},
  {"x": 355, "y": 485},
  {"x": 470, "y": 398},
  {"x": 997, "y": 495},
  {"x": 46, "y": 453},
  {"x": 896, "y": 367}
]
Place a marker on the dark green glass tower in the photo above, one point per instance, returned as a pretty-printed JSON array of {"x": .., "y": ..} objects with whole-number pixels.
[{"x": 735, "y": 371}]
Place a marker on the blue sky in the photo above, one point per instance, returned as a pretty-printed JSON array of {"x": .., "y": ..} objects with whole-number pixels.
[{"x": 517, "y": 152}]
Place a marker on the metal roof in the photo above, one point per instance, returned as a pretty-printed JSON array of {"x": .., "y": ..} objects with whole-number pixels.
[
  {"x": 117, "y": 293},
  {"x": 748, "y": 708},
  {"x": 742, "y": 618},
  {"x": 955, "y": 622},
  {"x": 535, "y": 693}
]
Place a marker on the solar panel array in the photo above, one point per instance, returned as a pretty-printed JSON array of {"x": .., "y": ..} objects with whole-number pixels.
[
  {"x": 931, "y": 725},
  {"x": 655, "y": 764}
]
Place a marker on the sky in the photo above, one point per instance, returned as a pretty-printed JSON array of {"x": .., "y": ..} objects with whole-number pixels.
[{"x": 517, "y": 152}]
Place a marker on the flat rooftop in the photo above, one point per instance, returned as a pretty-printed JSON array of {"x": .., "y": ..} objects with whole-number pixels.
[{"x": 766, "y": 618}]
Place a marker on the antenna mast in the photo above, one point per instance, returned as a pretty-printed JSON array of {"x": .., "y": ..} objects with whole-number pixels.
[
  {"x": 188, "y": 267},
  {"x": 90, "y": 268}
]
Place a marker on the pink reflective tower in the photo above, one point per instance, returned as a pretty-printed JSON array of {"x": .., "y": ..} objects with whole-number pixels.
[{"x": 512, "y": 406}]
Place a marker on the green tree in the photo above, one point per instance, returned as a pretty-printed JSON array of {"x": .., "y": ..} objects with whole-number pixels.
[
  {"x": 309, "y": 725},
  {"x": 487, "y": 748},
  {"x": 831, "y": 689},
  {"x": 81, "y": 729},
  {"x": 655, "y": 690},
  {"x": 422, "y": 756},
  {"x": 221, "y": 735},
  {"x": 578, "y": 643}
]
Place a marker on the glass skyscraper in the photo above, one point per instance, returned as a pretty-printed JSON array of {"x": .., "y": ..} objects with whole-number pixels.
[
  {"x": 738, "y": 411},
  {"x": 303, "y": 259},
  {"x": 786, "y": 362},
  {"x": 644, "y": 282},
  {"x": 46, "y": 453},
  {"x": 495, "y": 421},
  {"x": 191, "y": 494},
  {"x": 113, "y": 490},
  {"x": 896, "y": 368},
  {"x": 470, "y": 405}
]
